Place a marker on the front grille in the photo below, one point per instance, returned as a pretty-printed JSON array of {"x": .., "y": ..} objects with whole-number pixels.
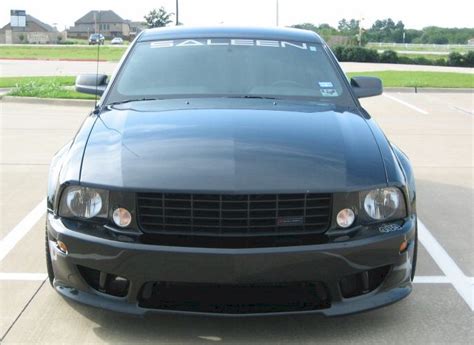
[
  {"x": 235, "y": 299},
  {"x": 246, "y": 215}
]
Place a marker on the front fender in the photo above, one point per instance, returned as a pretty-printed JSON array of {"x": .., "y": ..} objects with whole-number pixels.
[
  {"x": 409, "y": 175},
  {"x": 67, "y": 162},
  {"x": 53, "y": 175}
]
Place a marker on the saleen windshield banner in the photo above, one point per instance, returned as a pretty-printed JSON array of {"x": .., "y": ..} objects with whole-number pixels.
[{"x": 232, "y": 42}]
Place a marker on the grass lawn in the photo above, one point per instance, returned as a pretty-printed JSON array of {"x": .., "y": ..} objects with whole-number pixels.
[
  {"x": 9, "y": 82},
  {"x": 421, "y": 79},
  {"x": 61, "y": 52},
  {"x": 49, "y": 92},
  {"x": 43, "y": 87},
  {"x": 431, "y": 57},
  {"x": 54, "y": 87}
]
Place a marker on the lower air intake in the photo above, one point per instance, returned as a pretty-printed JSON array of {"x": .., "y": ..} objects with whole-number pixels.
[{"x": 234, "y": 299}]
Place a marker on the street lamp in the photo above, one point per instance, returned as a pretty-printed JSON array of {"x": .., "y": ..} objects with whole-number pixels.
[
  {"x": 177, "y": 13},
  {"x": 277, "y": 13},
  {"x": 360, "y": 31}
]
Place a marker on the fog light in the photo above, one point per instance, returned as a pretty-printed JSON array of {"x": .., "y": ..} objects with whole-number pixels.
[
  {"x": 122, "y": 217},
  {"x": 62, "y": 246},
  {"x": 345, "y": 218},
  {"x": 403, "y": 246}
]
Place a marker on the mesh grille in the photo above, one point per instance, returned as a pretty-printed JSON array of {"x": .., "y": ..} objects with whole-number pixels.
[{"x": 233, "y": 215}]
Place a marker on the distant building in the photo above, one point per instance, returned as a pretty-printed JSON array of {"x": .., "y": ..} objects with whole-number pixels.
[
  {"x": 471, "y": 42},
  {"x": 108, "y": 23},
  {"x": 136, "y": 28},
  {"x": 24, "y": 28}
]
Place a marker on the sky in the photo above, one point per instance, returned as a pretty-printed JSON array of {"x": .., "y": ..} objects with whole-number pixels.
[{"x": 414, "y": 14}]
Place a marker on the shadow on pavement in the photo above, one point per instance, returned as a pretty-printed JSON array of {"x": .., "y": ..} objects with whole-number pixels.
[{"x": 167, "y": 328}]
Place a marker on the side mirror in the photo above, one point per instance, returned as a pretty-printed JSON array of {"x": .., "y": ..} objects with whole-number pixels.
[
  {"x": 366, "y": 86},
  {"x": 93, "y": 84}
]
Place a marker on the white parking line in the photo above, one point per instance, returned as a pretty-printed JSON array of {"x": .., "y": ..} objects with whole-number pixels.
[
  {"x": 21, "y": 229},
  {"x": 461, "y": 283},
  {"x": 23, "y": 276},
  {"x": 431, "y": 280},
  {"x": 406, "y": 104}
]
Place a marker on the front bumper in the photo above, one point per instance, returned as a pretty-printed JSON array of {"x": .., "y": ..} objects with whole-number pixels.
[{"x": 142, "y": 263}]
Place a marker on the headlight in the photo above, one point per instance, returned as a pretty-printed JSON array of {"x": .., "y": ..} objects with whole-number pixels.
[
  {"x": 385, "y": 203},
  {"x": 84, "y": 202}
]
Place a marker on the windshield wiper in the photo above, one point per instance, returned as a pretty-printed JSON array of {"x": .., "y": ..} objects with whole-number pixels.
[
  {"x": 133, "y": 100},
  {"x": 252, "y": 97}
]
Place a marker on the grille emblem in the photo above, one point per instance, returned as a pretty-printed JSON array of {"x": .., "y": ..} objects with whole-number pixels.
[{"x": 288, "y": 221}]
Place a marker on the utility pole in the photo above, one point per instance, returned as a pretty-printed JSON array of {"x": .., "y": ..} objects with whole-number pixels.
[
  {"x": 177, "y": 13},
  {"x": 277, "y": 14},
  {"x": 360, "y": 31}
]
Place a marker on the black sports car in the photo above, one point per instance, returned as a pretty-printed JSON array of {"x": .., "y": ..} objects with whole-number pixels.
[{"x": 231, "y": 171}]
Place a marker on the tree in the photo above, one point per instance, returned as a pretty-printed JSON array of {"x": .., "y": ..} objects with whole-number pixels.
[
  {"x": 386, "y": 31},
  {"x": 349, "y": 28},
  {"x": 158, "y": 18},
  {"x": 324, "y": 30}
]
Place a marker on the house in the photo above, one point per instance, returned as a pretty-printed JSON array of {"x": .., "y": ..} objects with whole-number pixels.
[
  {"x": 24, "y": 28},
  {"x": 135, "y": 28},
  {"x": 471, "y": 42},
  {"x": 108, "y": 23}
]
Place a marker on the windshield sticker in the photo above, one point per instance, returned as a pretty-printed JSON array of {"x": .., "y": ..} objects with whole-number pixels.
[
  {"x": 329, "y": 92},
  {"x": 232, "y": 42},
  {"x": 325, "y": 84}
]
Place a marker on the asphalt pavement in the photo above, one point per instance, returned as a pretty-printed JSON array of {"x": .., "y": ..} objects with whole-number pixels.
[{"x": 435, "y": 130}]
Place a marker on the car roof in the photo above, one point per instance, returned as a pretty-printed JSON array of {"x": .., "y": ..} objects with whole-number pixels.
[{"x": 270, "y": 33}]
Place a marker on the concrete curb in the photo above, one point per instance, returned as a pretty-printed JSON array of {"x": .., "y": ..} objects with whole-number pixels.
[
  {"x": 428, "y": 90},
  {"x": 51, "y": 101}
]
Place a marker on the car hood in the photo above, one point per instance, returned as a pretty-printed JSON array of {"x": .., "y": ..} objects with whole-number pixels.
[{"x": 232, "y": 150}]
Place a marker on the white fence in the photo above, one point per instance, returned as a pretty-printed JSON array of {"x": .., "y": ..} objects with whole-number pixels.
[{"x": 424, "y": 46}]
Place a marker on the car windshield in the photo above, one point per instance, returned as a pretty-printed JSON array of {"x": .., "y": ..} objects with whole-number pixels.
[{"x": 229, "y": 68}]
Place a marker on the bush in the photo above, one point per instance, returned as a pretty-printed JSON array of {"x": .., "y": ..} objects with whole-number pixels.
[
  {"x": 405, "y": 60},
  {"x": 389, "y": 56},
  {"x": 356, "y": 54},
  {"x": 360, "y": 54},
  {"x": 338, "y": 51},
  {"x": 455, "y": 59},
  {"x": 66, "y": 42},
  {"x": 469, "y": 59},
  {"x": 421, "y": 61},
  {"x": 36, "y": 89}
]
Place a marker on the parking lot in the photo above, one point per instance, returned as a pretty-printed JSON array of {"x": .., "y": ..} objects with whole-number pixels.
[{"x": 434, "y": 129}]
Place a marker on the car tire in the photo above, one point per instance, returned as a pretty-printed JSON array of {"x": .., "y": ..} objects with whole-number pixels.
[
  {"x": 49, "y": 263},
  {"x": 415, "y": 254}
]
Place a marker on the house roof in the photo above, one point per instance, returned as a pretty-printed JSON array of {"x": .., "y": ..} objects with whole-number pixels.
[
  {"x": 31, "y": 19},
  {"x": 38, "y": 22},
  {"x": 108, "y": 16}
]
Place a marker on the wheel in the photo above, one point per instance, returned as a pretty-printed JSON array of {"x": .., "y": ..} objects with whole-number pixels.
[
  {"x": 415, "y": 254},
  {"x": 49, "y": 263}
]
